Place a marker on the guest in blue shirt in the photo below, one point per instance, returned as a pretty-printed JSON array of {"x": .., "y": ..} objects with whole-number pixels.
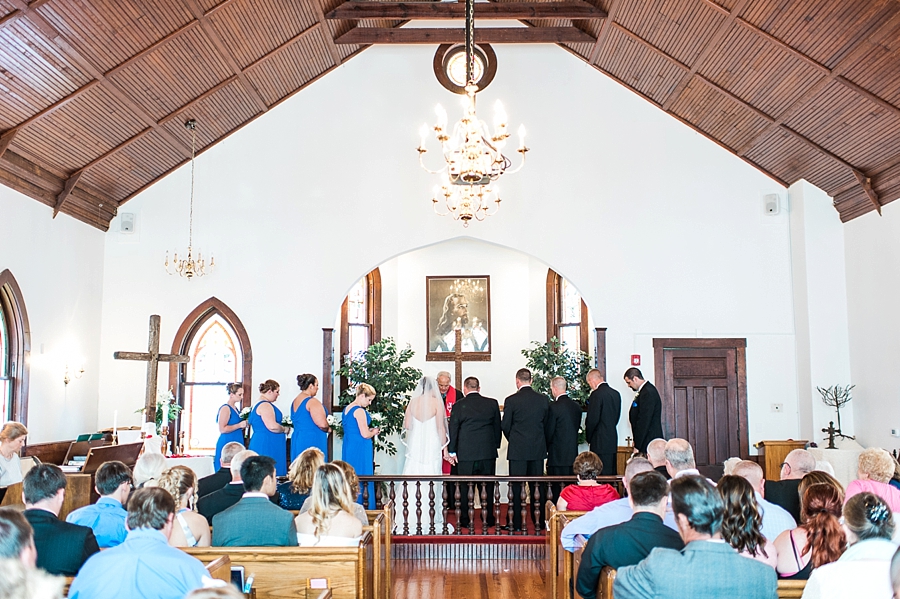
[
  {"x": 144, "y": 566},
  {"x": 106, "y": 518}
]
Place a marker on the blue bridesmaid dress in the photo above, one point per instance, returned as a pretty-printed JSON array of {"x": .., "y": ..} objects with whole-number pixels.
[
  {"x": 358, "y": 451},
  {"x": 306, "y": 434},
  {"x": 265, "y": 442},
  {"x": 236, "y": 435}
]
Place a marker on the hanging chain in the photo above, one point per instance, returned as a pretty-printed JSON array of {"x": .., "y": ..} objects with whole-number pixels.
[
  {"x": 192, "y": 125},
  {"x": 470, "y": 42}
]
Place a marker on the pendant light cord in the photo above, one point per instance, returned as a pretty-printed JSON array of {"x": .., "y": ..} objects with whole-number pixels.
[
  {"x": 192, "y": 125},
  {"x": 470, "y": 42}
]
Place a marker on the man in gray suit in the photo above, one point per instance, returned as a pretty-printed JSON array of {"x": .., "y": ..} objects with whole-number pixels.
[
  {"x": 707, "y": 566},
  {"x": 255, "y": 521}
]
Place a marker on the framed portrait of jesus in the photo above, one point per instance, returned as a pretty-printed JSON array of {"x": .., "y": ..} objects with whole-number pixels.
[{"x": 458, "y": 303}]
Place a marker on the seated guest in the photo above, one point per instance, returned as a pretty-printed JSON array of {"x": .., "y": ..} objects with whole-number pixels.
[
  {"x": 629, "y": 543},
  {"x": 353, "y": 482},
  {"x": 191, "y": 529},
  {"x": 18, "y": 581},
  {"x": 775, "y": 519},
  {"x": 785, "y": 492},
  {"x": 330, "y": 519},
  {"x": 895, "y": 478},
  {"x": 255, "y": 521},
  {"x": 864, "y": 569},
  {"x": 62, "y": 548},
  {"x": 227, "y": 496},
  {"x": 295, "y": 490},
  {"x": 16, "y": 537},
  {"x": 874, "y": 472},
  {"x": 113, "y": 482},
  {"x": 12, "y": 438},
  {"x": 656, "y": 453},
  {"x": 706, "y": 567},
  {"x": 147, "y": 469},
  {"x": 680, "y": 459},
  {"x": 144, "y": 566},
  {"x": 222, "y": 476},
  {"x": 614, "y": 512},
  {"x": 742, "y": 522},
  {"x": 588, "y": 493},
  {"x": 819, "y": 539}
]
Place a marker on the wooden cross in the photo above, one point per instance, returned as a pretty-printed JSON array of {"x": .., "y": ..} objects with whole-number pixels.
[{"x": 152, "y": 358}]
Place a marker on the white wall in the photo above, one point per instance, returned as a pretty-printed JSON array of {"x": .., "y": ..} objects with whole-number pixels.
[
  {"x": 58, "y": 264},
  {"x": 661, "y": 230},
  {"x": 873, "y": 266}
]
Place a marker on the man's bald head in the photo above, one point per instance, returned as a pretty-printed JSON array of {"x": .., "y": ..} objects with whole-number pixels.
[
  {"x": 679, "y": 456},
  {"x": 656, "y": 452},
  {"x": 797, "y": 464},
  {"x": 636, "y": 466},
  {"x": 752, "y": 473}
]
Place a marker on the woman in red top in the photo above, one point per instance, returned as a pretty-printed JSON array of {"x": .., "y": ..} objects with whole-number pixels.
[{"x": 588, "y": 493}]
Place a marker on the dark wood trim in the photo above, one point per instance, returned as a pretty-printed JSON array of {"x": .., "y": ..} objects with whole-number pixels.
[
  {"x": 328, "y": 376},
  {"x": 373, "y": 321},
  {"x": 431, "y": 356},
  {"x": 698, "y": 343},
  {"x": 20, "y": 343},
  {"x": 552, "y": 304},
  {"x": 600, "y": 359},
  {"x": 182, "y": 343},
  {"x": 584, "y": 327},
  {"x": 456, "y": 35},
  {"x": 570, "y": 9}
]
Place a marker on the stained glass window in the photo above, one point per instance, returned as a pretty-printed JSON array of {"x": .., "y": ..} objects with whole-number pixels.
[{"x": 215, "y": 362}]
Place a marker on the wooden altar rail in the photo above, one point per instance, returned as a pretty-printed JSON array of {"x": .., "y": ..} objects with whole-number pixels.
[{"x": 416, "y": 496}]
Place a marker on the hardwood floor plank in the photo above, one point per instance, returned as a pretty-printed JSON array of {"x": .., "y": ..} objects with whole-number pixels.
[{"x": 468, "y": 579}]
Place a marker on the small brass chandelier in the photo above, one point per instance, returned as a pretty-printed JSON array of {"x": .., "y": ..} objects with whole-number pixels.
[
  {"x": 189, "y": 267},
  {"x": 474, "y": 157}
]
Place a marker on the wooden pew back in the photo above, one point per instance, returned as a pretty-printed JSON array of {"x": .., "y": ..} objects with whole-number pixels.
[
  {"x": 220, "y": 568},
  {"x": 791, "y": 589},
  {"x": 605, "y": 584},
  {"x": 560, "y": 564},
  {"x": 383, "y": 548},
  {"x": 279, "y": 572}
]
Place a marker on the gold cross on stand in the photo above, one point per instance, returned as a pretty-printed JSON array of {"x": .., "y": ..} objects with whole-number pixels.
[
  {"x": 152, "y": 358},
  {"x": 459, "y": 357}
]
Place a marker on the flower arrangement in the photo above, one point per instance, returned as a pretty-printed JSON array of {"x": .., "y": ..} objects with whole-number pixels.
[
  {"x": 335, "y": 424},
  {"x": 286, "y": 422},
  {"x": 245, "y": 413},
  {"x": 166, "y": 409}
]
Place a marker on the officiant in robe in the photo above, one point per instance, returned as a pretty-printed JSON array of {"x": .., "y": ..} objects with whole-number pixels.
[
  {"x": 449, "y": 394},
  {"x": 474, "y": 439}
]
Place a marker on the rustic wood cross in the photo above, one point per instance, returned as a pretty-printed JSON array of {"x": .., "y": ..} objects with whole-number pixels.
[
  {"x": 459, "y": 357},
  {"x": 152, "y": 358}
]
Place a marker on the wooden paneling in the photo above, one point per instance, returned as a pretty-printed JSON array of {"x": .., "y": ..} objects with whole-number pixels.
[
  {"x": 680, "y": 29},
  {"x": 639, "y": 65}
]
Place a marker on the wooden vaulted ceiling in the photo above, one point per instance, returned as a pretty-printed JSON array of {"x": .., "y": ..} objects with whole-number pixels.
[{"x": 94, "y": 93}]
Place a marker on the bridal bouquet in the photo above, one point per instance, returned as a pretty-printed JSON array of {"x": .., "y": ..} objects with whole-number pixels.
[
  {"x": 245, "y": 413},
  {"x": 334, "y": 423},
  {"x": 286, "y": 422}
]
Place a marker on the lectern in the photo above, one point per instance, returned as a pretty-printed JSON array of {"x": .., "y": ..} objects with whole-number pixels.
[{"x": 772, "y": 454}]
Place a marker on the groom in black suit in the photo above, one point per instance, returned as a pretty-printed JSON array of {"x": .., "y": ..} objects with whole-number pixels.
[
  {"x": 525, "y": 423},
  {"x": 645, "y": 414},
  {"x": 474, "y": 439},
  {"x": 604, "y": 410}
]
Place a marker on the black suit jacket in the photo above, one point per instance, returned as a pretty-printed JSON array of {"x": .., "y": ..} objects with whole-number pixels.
[
  {"x": 62, "y": 548},
  {"x": 213, "y": 482},
  {"x": 563, "y": 423},
  {"x": 645, "y": 416},
  {"x": 604, "y": 410},
  {"x": 785, "y": 493},
  {"x": 475, "y": 428},
  {"x": 525, "y": 415},
  {"x": 219, "y": 501}
]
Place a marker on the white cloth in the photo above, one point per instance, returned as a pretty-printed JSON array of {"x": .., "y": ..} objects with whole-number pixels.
[
  {"x": 10, "y": 470},
  {"x": 425, "y": 425},
  {"x": 201, "y": 465},
  {"x": 576, "y": 532},
  {"x": 863, "y": 571},
  {"x": 844, "y": 461},
  {"x": 776, "y": 519}
]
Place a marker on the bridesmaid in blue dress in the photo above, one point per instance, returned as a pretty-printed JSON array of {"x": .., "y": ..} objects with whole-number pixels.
[
  {"x": 231, "y": 427},
  {"x": 268, "y": 434},
  {"x": 309, "y": 417},
  {"x": 358, "y": 449}
]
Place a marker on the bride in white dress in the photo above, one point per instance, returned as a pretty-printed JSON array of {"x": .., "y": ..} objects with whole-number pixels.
[{"x": 426, "y": 440}]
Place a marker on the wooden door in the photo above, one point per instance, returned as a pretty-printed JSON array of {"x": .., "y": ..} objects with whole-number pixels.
[{"x": 703, "y": 387}]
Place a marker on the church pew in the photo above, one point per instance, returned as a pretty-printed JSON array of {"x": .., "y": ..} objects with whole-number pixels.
[
  {"x": 48, "y": 453},
  {"x": 281, "y": 572},
  {"x": 560, "y": 565},
  {"x": 78, "y": 494},
  {"x": 605, "y": 584},
  {"x": 791, "y": 589},
  {"x": 383, "y": 548},
  {"x": 220, "y": 568}
]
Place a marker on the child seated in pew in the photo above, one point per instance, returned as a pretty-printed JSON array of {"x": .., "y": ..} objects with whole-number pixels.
[
  {"x": 329, "y": 520},
  {"x": 588, "y": 493},
  {"x": 353, "y": 482}
]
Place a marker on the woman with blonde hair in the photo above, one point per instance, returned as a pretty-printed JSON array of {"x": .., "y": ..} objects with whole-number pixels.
[
  {"x": 231, "y": 427},
  {"x": 359, "y": 449},
  {"x": 295, "y": 490},
  {"x": 190, "y": 529},
  {"x": 12, "y": 438},
  {"x": 148, "y": 469},
  {"x": 873, "y": 473},
  {"x": 330, "y": 519},
  {"x": 352, "y": 488}
]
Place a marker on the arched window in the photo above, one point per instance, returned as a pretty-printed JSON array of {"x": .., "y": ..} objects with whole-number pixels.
[
  {"x": 15, "y": 344},
  {"x": 567, "y": 314},
  {"x": 361, "y": 315},
  {"x": 219, "y": 349}
]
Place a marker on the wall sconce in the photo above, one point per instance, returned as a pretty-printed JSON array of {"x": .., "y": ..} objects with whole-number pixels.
[{"x": 72, "y": 373}]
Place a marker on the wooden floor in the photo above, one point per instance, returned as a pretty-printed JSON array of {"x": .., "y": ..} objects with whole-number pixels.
[{"x": 469, "y": 579}]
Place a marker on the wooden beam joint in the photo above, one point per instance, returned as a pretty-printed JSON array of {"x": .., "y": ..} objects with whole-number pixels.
[
  {"x": 866, "y": 183},
  {"x": 410, "y": 11},
  {"x": 486, "y": 35},
  {"x": 71, "y": 182}
]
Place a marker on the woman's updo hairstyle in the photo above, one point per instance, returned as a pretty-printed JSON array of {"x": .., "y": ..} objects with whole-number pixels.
[
  {"x": 868, "y": 517},
  {"x": 269, "y": 385},
  {"x": 304, "y": 381},
  {"x": 233, "y": 388}
]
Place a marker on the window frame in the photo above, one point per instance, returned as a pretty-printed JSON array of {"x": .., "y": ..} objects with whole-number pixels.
[
  {"x": 373, "y": 322},
  {"x": 554, "y": 312},
  {"x": 19, "y": 334}
]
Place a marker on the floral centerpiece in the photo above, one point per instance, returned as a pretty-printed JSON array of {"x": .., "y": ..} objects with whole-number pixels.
[{"x": 166, "y": 409}]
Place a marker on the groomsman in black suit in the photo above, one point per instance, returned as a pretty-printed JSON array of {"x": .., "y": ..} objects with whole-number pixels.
[
  {"x": 645, "y": 414},
  {"x": 474, "y": 439},
  {"x": 604, "y": 410},
  {"x": 563, "y": 423},
  {"x": 525, "y": 421}
]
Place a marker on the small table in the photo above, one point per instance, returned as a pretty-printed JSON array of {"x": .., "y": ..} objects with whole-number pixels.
[
  {"x": 202, "y": 465},
  {"x": 844, "y": 460}
]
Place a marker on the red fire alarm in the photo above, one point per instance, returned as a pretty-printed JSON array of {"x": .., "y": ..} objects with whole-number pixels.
[{"x": 635, "y": 360}]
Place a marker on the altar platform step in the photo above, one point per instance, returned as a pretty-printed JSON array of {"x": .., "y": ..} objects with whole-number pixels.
[{"x": 477, "y": 547}]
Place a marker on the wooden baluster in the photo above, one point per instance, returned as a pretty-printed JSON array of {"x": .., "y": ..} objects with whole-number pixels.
[
  {"x": 405, "y": 509},
  {"x": 393, "y": 495},
  {"x": 431, "y": 507},
  {"x": 444, "y": 508},
  {"x": 365, "y": 495},
  {"x": 378, "y": 500},
  {"x": 457, "y": 508},
  {"x": 470, "y": 493},
  {"x": 497, "y": 508},
  {"x": 484, "y": 512},
  {"x": 535, "y": 497},
  {"x": 419, "y": 507},
  {"x": 524, "y": 504},
  {"x": 509, "y": 506}
]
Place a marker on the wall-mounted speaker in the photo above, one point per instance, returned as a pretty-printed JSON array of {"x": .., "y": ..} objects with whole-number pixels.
[
  {"x": 771, "y": 204},
  {"x": 126, "y": 223}
]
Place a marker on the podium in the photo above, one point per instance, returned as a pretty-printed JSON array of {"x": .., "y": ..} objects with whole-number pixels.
[
  {"x": 623, "y": 454},
  {"x": 772, "y": 454}
]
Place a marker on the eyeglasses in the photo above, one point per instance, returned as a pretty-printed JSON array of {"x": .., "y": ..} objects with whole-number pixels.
[{"x": 786, "y": 465}]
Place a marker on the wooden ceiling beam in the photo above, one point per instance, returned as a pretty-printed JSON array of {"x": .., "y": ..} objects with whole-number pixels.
[
  {"x": 71, "y": 182},
  {"x": 326, "y": 31},
  {"x": 445, "y": 11},
  {"x": 605, "y": 26},
  {"x": 866, "y": 183},
  {"x": 485, "y": 35},
  {"x": 6, "y": 139},
  {"x": 155, "y": 45},
  {"x": 711, "y": 45},
  {"x": 23, "y": 9}
]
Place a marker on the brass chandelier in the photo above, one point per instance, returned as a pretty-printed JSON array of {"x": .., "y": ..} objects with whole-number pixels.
[
  {"x": 474, "y": 157},
  {"x": 189, "y": 267}
]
